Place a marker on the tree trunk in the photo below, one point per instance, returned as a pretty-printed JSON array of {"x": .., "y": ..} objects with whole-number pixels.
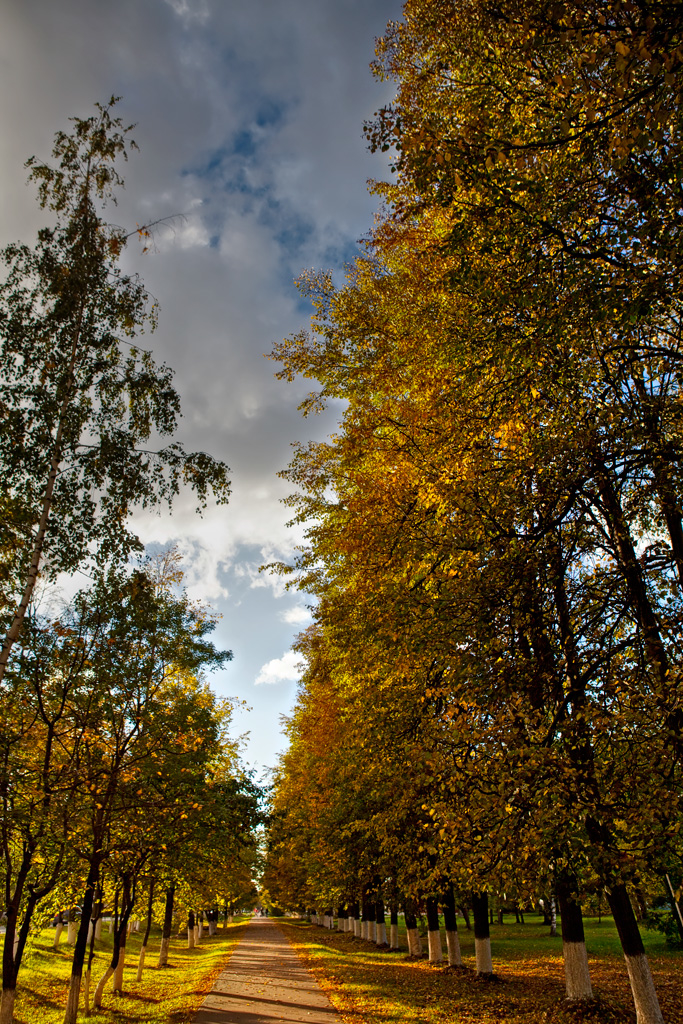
[
  {"x": 37, "y": 554},
  {"x": 372, "y": 924},
  {"x": 414, "y": 944},
  {"x": 365, "y": 918},
  {"x": 86, "y": 991},
  {"x": 119, "y": 957},
  {"x": 99, "y": 991},
  {"x": 148, "y": 927},
  {"x": 91, "y": 952},
  {"x": 466, "y": 918},
  {"x": 58, "y": 932},
  {"x": 118, "y": 974},
  {"x": 433, "y": 932},
  {"x": 553, "y": 917},
  {"x": 393, "y": 926},
  {"x": 7, "y": 1005},
  {"x": 451, "y": 923},
  {"x": 9, "y": 963},
  {"x": 380, "y": 925},
  {"x": 482, "y": 935},
  {"x": 190, "y": 930},
  {"x": 640, "y": 977},
  {"x": 576, "y": 970},
  {"x": 675, "y": 906},
  {"x": 81, "y": 943},
  {"x": 168, "y": 925}
]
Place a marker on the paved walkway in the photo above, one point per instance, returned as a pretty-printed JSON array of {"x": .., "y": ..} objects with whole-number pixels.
[{"x": 265, "y": 982}]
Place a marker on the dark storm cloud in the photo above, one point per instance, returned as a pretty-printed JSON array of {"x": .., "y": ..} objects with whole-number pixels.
[{"x": 249, "y": 118}]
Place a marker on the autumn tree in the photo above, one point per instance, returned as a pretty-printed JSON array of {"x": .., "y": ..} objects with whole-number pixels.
[{"x": 81, "y": 402}]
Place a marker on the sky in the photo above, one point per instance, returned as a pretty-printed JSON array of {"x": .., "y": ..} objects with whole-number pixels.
[{"x": 249, "y": 118}]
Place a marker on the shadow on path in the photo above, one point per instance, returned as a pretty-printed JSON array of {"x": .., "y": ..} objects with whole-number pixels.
[{"x": 264, "y": 983}]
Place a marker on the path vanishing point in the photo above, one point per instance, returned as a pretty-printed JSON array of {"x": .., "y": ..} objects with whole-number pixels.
[{"x": 265, "y": 982}]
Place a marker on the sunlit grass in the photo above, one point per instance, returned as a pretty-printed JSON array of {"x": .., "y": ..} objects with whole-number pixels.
[
  {"x": 169, "y": 995},
  {"x": 367, "y": 984}
]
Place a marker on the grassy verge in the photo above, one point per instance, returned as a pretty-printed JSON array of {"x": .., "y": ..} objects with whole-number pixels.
[
  {"x": 164, "y": 996},
  {"x": 366, "y": 984}
]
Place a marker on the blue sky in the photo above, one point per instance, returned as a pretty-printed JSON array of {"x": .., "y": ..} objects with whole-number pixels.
[{"x": 249, "y": 119}]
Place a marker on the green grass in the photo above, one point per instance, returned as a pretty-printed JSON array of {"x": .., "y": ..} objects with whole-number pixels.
[
  {"x": 533, "y": 938},
  {"x": 169, "y": 995},
  {"x": 368, "y": 984}
]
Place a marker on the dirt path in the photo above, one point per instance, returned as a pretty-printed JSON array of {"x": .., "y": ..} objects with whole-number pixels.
[{"x": 265, "y": 982}]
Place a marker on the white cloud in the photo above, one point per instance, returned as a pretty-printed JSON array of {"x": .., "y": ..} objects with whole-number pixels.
[
  {"x": 296, "y": 616},
  {"x": 189, "y": 10},
  {"x": 249, "y": 120},
  {"x": 281, "y": 670}
]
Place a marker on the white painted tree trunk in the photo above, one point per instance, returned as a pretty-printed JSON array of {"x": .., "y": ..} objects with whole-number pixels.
[
  {"x": 393, "y": 936},
  {"x": 58, "y": 934},
  {"x": 99, "y": 991},
  {"x": 212, "y": 927},
  {"x": 435, "y": 950},
  {"x": 111, "y": 925},
  {"x": 200, "y": 929},
  {"x": 643, "y": 989},
  {"x": 196, "y": 935},
  {"x": 414, "y": 945},
  {"x": 357, "y": 928},
  {"x": 91, "y": 928},
  {"x": 118, "y": 979},
  {"x": 351, "y": 925},
  {"x": 72, "y": 1000},
  {"x": 372, "y": 932},
  {"x": 190, "y": 938},
  {"x": 576, "y": 970},
  {"x": 141, "y": 962},
  {"x": 98, "y": 928},
  {"x": 7, "y": 1006},
  {"x": 72, "y": 932},
  {"x": 86, "y": 992},
  {"x": 482, "y": 950},
  {"x": 230, "y": 918},
  {"x": 381, "y": 935},
  {"x": 453, "y": 946},
  {"x": 163, "y": 953}
]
